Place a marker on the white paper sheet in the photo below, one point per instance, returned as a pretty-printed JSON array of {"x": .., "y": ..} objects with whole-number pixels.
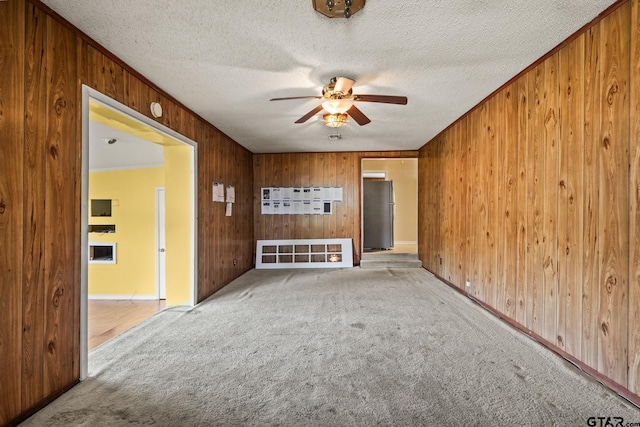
[
  {"x": 218, "y": 192},
  {"x": 229, "y": 208},
  {"x": 231, "y": 194},
  {"x": 337, "y": 194}
]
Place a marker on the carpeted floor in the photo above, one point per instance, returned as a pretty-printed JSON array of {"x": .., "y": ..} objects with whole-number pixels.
[{"x": 344, "y": 347}]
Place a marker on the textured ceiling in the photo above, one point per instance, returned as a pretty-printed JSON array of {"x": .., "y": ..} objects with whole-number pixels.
[{"x": 226, "y": 59}]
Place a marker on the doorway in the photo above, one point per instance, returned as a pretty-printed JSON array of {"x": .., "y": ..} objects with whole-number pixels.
[
  {"x": 401, "y": 174},
  {"x": 178, "y": 199}
]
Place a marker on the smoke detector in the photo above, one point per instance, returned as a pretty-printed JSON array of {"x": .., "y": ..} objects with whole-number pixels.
[{"x": 334, "y": 137}]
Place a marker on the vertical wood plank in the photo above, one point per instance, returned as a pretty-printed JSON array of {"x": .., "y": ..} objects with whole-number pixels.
[
  {"x": 522, "y": 197},
  {"x": 535, "y": 193},
  {"x": 501, "y": 217},
  {"x": 34, "y": 210},
  {"x": 634, "y": 193},
  {"x": 61, "y": 228},
  {"x": 475, "y": 219},
  {"x": 550, "y": 200},
  {"x": 570, "y": 243},
  {"x": 613, "y": 226},
  {"x": 510, "y": 207},
  {"x": 590, "y": 288},
  {"x": 12, "y": 85},
  {"x": 491, "y": 201}
]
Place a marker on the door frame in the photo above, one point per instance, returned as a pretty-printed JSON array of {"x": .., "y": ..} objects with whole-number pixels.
[
  {"x": 161, "y": 273},
  {"x": 361, "y": 181},
  {"x": 89, "y": 94}
]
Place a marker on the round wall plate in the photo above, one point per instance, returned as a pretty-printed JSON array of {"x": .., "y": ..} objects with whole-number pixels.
[{"x": 156, "y": 109}]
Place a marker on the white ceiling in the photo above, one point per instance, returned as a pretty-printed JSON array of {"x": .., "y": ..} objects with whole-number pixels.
[
  {"x": 128, "y": 152},
  {"x": 226, "y": 59}
]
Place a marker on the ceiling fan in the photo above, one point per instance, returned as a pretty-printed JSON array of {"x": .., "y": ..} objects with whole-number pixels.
[{"x": 338, "y": 103}]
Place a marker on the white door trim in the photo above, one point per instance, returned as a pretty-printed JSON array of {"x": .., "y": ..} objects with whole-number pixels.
[
  {"x": 161, "y": 273},
  {"x": 92, "y": 94}
]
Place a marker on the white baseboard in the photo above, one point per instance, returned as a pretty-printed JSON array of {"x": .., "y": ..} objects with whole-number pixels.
[
  {"x": 404, "y": 242},
  {"x": 122, "y": 297}
]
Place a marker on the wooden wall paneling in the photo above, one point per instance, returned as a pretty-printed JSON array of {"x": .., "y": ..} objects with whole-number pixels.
[
  {"x": 613, "y": 227},
  {"x": 104, "y": 75},
  {"x": 423, "y": 193},
  {"x": 303, "y": 165},
  {"x": 330, "y": 181},
  {"x": 591, "y": 174},
  {"x": 452, "y": 177},
  {"x": 570, "y": 243},
  {"x": 493, "y": 124},
  {"x": 535, "y": 192},
  {"x": 341, "y": 207},
  {"x": 204, "y": 209},
  {"x": 476, "y": 182},
  {"x": 509, "y": 162},
  {"x": 634, "y": 211},
  {"x": 487, "y": 154},
  {"x": 500, "y": 219},
  {"x": 457, "y": 212},
  {"x": 61, "y": 207},
  {"x": 463, "y": 202},
  {"x": 522, "y": 244},
  {"x": 446, "y": 196},
  {"x": 12, "y": 85},
  {"x": 550, "y": 199},
  {"x": 34, "y": 210},
  {"x": 437, "y": 214}
]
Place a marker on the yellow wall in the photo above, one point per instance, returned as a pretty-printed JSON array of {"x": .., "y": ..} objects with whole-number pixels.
[
  {"x": 178, "y": 211},
  {"x": 133, "y": 195},
  {"x": 404, "y": 174}
]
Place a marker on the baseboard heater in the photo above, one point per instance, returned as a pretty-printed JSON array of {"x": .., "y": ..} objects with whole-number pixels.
[{"x": 304, "y": 253}]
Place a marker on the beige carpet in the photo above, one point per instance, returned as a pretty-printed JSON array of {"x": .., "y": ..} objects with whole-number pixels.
[{"x": 331, "y": 348}]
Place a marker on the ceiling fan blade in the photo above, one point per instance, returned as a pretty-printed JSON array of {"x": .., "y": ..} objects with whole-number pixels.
[
  {"x": 358, "y": 116},
  {"x": 295, "y": 97},
  {"x": 343, "y": 85},
  {"x": 400, "y": 100},
  {"x": 309, "y": 114}
]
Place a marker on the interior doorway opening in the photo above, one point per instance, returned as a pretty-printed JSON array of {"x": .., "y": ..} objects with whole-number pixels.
[
  {"x": 147, "y": 173},
  {"x": 392, "y": 183}
]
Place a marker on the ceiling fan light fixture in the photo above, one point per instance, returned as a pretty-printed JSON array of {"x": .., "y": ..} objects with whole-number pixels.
[
  {"x": 335, "y": 120},
  {"x": 337, "y": 106}
]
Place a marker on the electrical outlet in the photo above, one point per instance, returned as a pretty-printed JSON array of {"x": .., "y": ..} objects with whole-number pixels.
[
  {"x": 235, "y": 261},
  {"x": 468, "y": 284},
  {"x": 440, "y": 261}
]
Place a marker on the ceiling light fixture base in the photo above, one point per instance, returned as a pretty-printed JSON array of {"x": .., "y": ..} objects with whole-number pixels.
[{"x": 338, "y": 8}]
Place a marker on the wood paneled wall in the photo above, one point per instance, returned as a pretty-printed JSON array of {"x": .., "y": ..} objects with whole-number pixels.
[
  {"x": 530, "y": 203},
  {"x": 43, "y": 63},
  {"x": 340, "y": 169}
]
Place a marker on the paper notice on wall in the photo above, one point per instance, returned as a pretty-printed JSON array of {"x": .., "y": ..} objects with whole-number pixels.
[
  {"x": 231, "y": 194},
  {"x": 316, "y": 193},
  {"x": 298, "y": 207},
  {"x": 297, "y": 193},
  {"x": 227, "y": 212},
  {"x": 337, "y": 194},
  {"x": 276, "y": 207},
  {"x": 317, "y": 207},
  {"x": 286, "y": 207},
  {"x": 286, "y": 193},
  {"x": 276, "y": 193},
  {"x": 306, "y": 193},
  {"x": 218, "y": 191},
  {"x": 327, "y": 193},
  {"x": 266, "y": 208},
  {"x": 306, "y": 207},
  {"x": 266, "y": 193}
]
